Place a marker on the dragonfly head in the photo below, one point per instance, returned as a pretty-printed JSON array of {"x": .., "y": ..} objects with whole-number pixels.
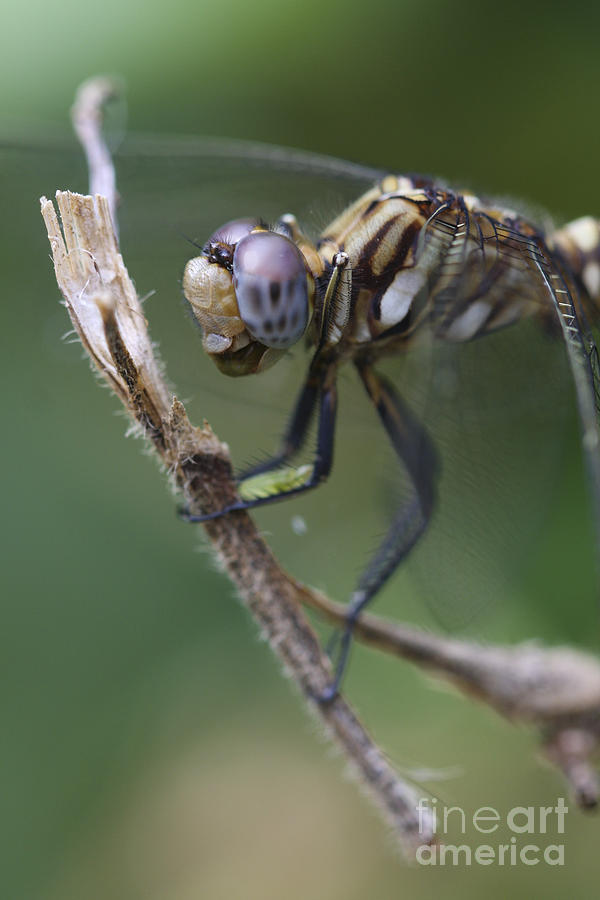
[{"x": 252, "y": 293}]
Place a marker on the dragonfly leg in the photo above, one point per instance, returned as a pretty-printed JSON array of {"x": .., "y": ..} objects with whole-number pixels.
[
  {"x": 415, "y": 450},
  {"x": 296, "y": 431},
  {"x": 323, "y": 459}
]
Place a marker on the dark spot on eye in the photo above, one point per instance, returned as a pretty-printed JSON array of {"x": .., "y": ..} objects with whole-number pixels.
[
  {"x": 275, "y": 292},
  {"x": 254, "y": 299},
  {"x": 282, "y": 322},
  {"x": 268, "y": 326}
]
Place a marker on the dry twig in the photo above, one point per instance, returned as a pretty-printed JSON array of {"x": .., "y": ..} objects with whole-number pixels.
[{"x": 554, "y": 689}]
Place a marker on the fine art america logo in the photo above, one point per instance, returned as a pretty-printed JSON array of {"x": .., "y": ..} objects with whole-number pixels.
[{"x": 529, "y": 843}]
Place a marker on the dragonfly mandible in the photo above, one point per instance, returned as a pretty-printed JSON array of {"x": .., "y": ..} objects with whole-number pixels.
[{"x": 409, "y": 261}]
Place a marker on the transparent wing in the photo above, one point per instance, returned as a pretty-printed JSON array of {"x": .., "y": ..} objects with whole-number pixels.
[
  {"x": 499, "y": 411},
  {"x": 583, "y": 359},
  {"x": 499, "y": 404}
]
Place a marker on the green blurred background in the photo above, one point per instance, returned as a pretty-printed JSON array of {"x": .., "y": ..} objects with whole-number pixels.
[{"x": 150, "y": 747}]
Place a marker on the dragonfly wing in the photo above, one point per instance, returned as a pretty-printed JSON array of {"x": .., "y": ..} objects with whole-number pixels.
[
  {"x": 497, "y": 402},
  {"x": 583, "y": 360},
  {"x": 498, "y": 411},
  {"x": 250, "y": 153}
]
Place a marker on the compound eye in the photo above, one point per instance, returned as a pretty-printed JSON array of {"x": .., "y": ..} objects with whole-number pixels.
[
  {"x": 271, "y": 286},
  {"x": 233, "y": 231}
]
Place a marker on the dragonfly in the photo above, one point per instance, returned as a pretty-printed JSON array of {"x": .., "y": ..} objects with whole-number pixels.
[
  {"x": 409, "y": 261},
  {"x": 468, "y": 325}
]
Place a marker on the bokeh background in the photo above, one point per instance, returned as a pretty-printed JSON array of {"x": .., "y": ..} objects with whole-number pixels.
[{"x": 150, "y": 747}]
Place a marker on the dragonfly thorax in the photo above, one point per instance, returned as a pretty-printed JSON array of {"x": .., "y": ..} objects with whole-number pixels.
[{"x": 379, "y": 234}]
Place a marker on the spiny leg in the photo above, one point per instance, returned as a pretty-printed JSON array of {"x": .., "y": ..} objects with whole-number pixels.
[
  {"x": 323, "y": 459},
  {"x": 296, "y": 431},
  {"x": 414, "y": 448}
]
